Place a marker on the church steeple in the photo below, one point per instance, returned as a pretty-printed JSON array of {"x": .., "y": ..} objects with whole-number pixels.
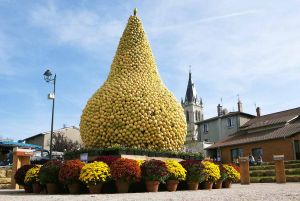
[
  {"x": 193, "y": 109},
  {"x": 191, "y": 94}
]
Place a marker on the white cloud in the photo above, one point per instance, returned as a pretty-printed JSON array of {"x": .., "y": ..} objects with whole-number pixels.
[{"x": 80, "y": 28}]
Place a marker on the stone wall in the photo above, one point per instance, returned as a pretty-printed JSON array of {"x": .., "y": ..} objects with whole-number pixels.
[{"x": 5, "y": 177}]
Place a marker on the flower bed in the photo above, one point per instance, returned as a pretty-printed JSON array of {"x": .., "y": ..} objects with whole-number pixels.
[{"x": 125, "y": 175}]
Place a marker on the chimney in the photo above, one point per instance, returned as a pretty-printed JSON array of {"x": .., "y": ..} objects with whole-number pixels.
[
  {"x": 219, "y": 109},
  {"x": 258, "y": 111},
  {"x": 240, "y": 106}
]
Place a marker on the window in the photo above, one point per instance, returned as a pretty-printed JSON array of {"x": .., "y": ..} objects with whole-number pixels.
[
  {"x": 187, "y": 116},
  {"x": 230, "y": 122},
  {"x": 205, "y": 128},
  {"x": 196, "y": 116},
  {"x": 256, "y": 152},
  {"x": 236, "y": 153},
  {"x": 199, "y": 116},
  {"x": 297, "y": 149}
]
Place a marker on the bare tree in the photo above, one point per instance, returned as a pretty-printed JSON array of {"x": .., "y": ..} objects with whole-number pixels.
[{"x": 62, "y": 143}]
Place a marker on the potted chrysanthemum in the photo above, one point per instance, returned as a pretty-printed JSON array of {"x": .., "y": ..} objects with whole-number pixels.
[
  {"x": 211, "y": 173},
  {"x": 232, "y": 175},
  {"x": 32, "y": 178},
  {"x": 20, "y": 177},
  {"x": 125, "y": 171},
  {"x": 154, "y": 172},
  {"x": 223, "y": 176},
  {"x": 194, "y": 173},
  {"x": 49, "y": 176},
  {"x": 94, "y": 175},
  {"x": 69, "y": 175},
  {"x": 176, "y": 173}
]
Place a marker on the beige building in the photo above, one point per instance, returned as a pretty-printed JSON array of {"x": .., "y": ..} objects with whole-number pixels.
[
  {"x": 43, "y": 139},
  {"x": 223, "y": 125}
]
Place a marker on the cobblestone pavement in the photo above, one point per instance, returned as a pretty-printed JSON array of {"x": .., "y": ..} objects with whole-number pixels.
[{"x": 278, "y": 192}]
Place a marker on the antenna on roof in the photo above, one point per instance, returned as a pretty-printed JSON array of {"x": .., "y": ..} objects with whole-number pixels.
[
  {"x": 221, "y": 101},
  {"x": 238, "y": 96},
  {"x": 190, "y": 68}
]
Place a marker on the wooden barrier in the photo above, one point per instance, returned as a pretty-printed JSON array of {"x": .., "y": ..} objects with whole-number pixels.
[
  {"x": 279, "y": 169},
  {"x": 244, "y": 169}
]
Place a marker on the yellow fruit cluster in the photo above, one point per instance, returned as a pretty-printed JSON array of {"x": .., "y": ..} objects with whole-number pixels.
[{"x": 133, "y": 108}]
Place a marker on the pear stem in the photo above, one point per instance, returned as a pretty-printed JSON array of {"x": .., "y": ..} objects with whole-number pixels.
[{"x": 135, "y": 12}]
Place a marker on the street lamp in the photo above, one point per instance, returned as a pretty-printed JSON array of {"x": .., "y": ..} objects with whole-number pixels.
[{"x": 48, "y": 78}]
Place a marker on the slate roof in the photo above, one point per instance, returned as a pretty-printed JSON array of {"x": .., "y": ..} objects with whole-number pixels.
[
  {"x": 191, "y": 94},
  {"x": 279, "y": 118},
  {"x": 272, "y": 119},
  {"x": 226, "y": 115}
]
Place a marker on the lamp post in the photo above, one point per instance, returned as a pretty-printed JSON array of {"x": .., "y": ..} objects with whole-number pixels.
[{"x": 48, "y": 78}]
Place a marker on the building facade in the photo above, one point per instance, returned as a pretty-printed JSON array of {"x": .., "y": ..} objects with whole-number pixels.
[
  {"x": 43, "y": 139},
  {"x": 222, "y": 126},
  {"x": 273, "y": 134},
  {"x": 202, "y": 133}
]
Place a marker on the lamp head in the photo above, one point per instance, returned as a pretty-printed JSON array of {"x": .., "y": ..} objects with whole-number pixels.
[{"x": 48, "y": 76}]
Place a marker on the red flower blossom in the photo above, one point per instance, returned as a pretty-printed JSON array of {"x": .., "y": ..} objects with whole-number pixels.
[
  {"x": 107, "y": 159},
  {"x": 125, "y": 169},
  {"x": 70, "y": 171}
]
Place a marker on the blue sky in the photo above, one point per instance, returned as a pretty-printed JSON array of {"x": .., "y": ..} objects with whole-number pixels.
[{"x": 250, "y": 48}]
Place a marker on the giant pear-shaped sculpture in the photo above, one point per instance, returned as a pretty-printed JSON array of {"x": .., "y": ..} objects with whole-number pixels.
[{"x": 133, "y": 108}]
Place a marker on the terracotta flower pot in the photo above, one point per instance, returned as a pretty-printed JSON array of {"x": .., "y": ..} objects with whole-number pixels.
[
  {"x": 52, "y": 188},
  {"x": 226, "y": 184},
  {"x": 193, "y": 185},
  {"x": 218, "y": 184},
  {"x": 152, "y": 186},
  {"x": 74, "y": 188},
  {"x": 122, "y": 186},
  {"x": 36, "y": 188},
  {"x": 208, "y": 185},
  {"x": 95, "y": 189},
  {"x": 172, "y": 185},
  {"x": 28, "y": 189}
]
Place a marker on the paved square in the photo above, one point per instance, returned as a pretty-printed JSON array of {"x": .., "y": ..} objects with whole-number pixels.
[{"x": 269, "y": 191}]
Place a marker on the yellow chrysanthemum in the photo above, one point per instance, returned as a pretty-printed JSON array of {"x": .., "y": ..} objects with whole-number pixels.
[
  {"x": 32, "y": 175},
  {"x": 175, "y": 169},
  {"x": 211, "y": 171},
  {"x": 96, "y": 172},
  {"x": 233, "y": 175}
]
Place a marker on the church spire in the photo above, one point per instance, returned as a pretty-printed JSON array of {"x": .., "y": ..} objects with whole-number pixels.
[{"x": 191, "y": 94}]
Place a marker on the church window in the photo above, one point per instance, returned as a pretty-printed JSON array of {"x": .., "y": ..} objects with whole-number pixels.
[
  {"x": 199, "y": 116},
  {"x": 187, "y": 116}
]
